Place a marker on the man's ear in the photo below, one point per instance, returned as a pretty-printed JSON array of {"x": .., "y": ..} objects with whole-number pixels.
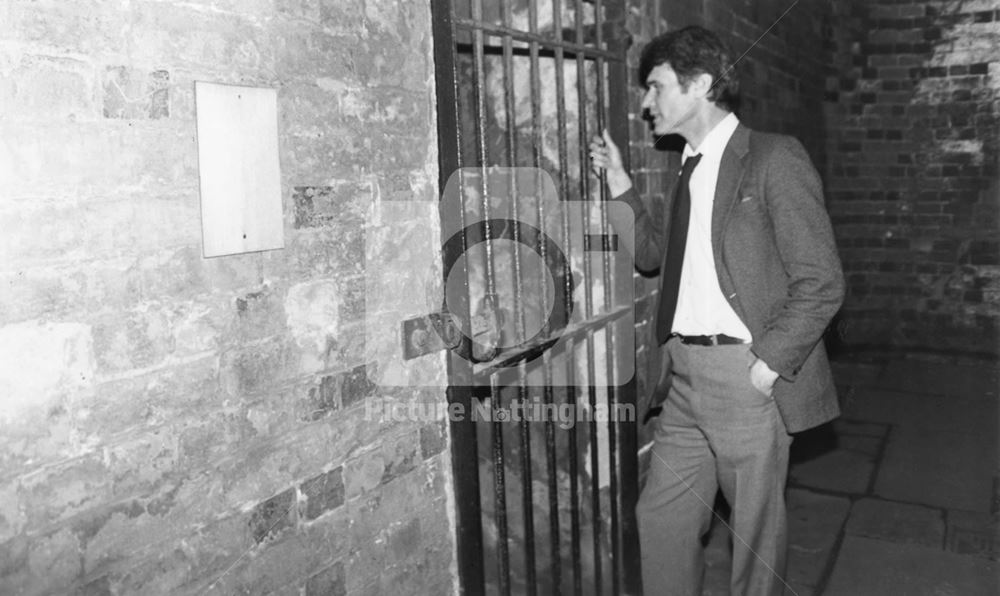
[{"x": 703, "y": 84}]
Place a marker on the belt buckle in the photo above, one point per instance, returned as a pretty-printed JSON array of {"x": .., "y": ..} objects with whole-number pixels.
[{"x": 714, "y": 338}]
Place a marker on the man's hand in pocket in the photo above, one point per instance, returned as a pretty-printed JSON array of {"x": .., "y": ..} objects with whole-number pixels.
[{"x": 762, "y": 377}]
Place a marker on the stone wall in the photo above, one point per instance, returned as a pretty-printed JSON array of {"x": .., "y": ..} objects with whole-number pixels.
[
  {"x": 913, "y": 174},
  {"x": 175, "y": 424}
]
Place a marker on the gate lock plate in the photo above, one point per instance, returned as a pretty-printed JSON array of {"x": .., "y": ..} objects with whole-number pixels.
[{"x": 430, "y": 333}]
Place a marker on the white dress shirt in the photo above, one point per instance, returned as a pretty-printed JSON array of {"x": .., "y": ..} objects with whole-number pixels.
[{"x": 702, "y": 309}]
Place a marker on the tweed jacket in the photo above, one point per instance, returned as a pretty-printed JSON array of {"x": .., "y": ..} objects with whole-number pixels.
[{"x": 776, "y": 261}]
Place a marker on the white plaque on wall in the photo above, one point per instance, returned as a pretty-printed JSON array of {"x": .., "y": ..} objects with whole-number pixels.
[{"x": 238, "y": 169}]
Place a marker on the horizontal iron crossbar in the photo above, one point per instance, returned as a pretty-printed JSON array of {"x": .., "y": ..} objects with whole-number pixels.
[
  {"x": 532, "y": 349},
  {"x": 545, "y": 41}
]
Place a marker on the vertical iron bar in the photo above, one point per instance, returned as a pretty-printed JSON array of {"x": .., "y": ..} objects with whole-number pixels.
[
  {"x": 527, "y": 501},
  {"x": 555, "y": 571},
  {"x": 571, "y": 389},
  {"x": 500, "y": 490},
  {"x": 609, "y": 349},
  {"x": 629, "y": 566},
  {"x": 595, "y": 493},
  {"x": 469, "y": 531},
  {"x": 510, "y": 108},
  {"x": 481, "y": 154},
  {"x": 490, "y": 294}
]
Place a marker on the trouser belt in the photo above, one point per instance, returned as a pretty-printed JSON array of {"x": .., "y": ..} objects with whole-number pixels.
[{"x": 720, "y": 339}]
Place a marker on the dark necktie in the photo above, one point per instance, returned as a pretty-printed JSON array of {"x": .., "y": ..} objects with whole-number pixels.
[{"x": 671, "y": 275}]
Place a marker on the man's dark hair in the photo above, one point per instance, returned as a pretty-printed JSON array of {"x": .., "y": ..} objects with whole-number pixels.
[{"x": 692, "y": 51}]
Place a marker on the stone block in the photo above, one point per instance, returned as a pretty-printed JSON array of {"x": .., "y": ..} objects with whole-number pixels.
[
  {"x": 65, "y": 489},
  {"x": 111, "y": 535},
  {"x": 401, "y": 455},
  {"x": 363, "y": 474},
  {"x": 353, "y": 306},
  {"x": 138, "y": 339},
  {"x": 433, "y": 439},
  {"x": 162, "y": 572},
  {"x": 132, "y": 94},
  {"x": 196, "y": 329},
  {"x": 356, "y": 386},
  {"x": 55, "y": 159},
  {"x": 324, "y": 397},
  {"x": 273, "y": 516},
  {"x": 184, "y": 391},
  {"x": 258, "y": 367},
  {"x": 48, "y": 88},
  {"x": 323, "y": 493},
  {"x": 347, "y": 203},
  {"x": 67, "y": 232},
  {"x": 144, "y": 462},
  {"x": 328, "y": 582},
  {"x": 274, "y": 567},
  {"x": 267, "y": 464},
  {"x": 54, "y": 561},
  {"x": 326, "y": 253},
  {"x": 12, "y": 517},
  {"x": 96, "y": 587},
  {"x": 312, "y": 315},
  {"x": 85, "y": 26},
  {"x": 405, "y": 540},
  {"x": 395, "y": 457},
  {"x": 259, "y": 314},
  {"x": 36, "y": 293},
  {"x": 14, "y": 562},
  {"x": 309, "y": 52},
  {"x": 39, "y": 362},
  {"x": 308, "y": 10},
  {"x": 196, "y": 37}
]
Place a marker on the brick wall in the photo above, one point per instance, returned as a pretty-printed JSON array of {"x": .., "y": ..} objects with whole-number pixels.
[
  {"x": 175, "y": 424},
  {"x": 782, "y": 80},
  {"x": 913, "y": 174}
]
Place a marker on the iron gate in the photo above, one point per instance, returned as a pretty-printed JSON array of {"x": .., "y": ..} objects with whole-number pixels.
[{"x": 542, "y": 506}]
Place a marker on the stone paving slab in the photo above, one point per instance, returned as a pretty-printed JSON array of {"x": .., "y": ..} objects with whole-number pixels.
[
  {"x": 856, "y": 374},
  {"x": 943, "y": 469},
  {"x": 953, "y": 412},
  {"x": 847, "y": 467},
  {"x": 972, "y": 533},
  {"x": 846, "y": 426},
  {"x": 814, "y": 520},
  {"x": 921, "y": 376},
  {"x": 869, "y": 567},
  {"x": 896, "y": 522}
]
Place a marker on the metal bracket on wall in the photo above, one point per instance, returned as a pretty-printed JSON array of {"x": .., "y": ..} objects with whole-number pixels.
[{"x": 430, "y": 333}]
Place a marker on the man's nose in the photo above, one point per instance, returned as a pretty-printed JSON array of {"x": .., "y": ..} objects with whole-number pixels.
[{"x": 647, "y": 100}]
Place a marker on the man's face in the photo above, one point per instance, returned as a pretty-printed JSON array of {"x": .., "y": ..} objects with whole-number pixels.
[{"x": 669, "y": 104}]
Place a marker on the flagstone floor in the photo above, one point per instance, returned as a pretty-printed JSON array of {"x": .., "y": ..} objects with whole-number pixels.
[{"x": 900, "y": 496}]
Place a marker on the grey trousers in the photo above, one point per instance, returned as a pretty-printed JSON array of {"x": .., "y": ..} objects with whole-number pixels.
[{"x": 716, "y": 431}]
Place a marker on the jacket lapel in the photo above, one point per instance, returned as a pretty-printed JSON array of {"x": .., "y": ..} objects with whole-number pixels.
[{"x": 731, "y": 171}]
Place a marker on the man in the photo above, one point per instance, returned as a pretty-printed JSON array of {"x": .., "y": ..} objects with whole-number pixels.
[{"x": 750, "y": 278}]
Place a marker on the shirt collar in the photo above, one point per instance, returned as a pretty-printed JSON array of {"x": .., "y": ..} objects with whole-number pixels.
[{"x": 716, "y": 140}]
